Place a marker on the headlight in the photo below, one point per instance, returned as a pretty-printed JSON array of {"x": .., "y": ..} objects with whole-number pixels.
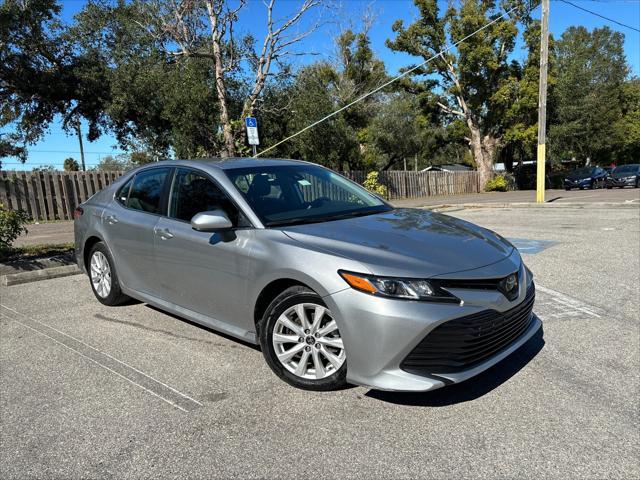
[
  {"x": 588, "y": 179},
  {"x": 405, "y": 288}
]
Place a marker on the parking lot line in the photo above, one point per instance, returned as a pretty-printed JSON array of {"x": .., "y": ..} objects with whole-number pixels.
[
  {"x": 168, "y": 394},
  {"x": 570, "y": 302}
]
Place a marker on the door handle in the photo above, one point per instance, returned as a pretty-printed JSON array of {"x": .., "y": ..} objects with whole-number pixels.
[
  {"x": 111, "y": 219},
  {"x": 163, "y": 233}
]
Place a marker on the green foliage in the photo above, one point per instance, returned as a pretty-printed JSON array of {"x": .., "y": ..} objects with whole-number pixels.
[
  {"x": 71, "y": 165},
  {"x": 119, "y": 163},
  {"x": 629, "y": 124},
  {"x": 496, "y": 184},
  {"x": 111, "y": 68},
  {"x": 372, "y": 184},
  {"x": 42, "y": 75},
  {"x": 465, "y": 82},
  {"x": 140, "y": 158},
  {"x": 12, "y": 225},
  {"x": 589, "y": 96},
  {"x": 44, "y": 168}
]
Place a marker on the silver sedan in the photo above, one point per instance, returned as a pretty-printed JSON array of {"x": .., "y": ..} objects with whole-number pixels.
[{"x": 334, "y": 284}]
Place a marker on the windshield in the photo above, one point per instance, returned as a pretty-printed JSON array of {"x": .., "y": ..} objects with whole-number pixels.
[
  {"x": 583, "y": 172},
  {"x": 626, "y": 169},
  {"x": 294, "y": 194}
]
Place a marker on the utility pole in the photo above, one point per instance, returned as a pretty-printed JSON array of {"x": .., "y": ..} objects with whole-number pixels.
[
  {"x": 542, "y": 103},
  {"x": 79, "y": 132}
]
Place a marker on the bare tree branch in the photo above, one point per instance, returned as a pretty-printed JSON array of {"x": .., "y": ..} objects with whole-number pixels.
[{"x": 450, "y": 110}]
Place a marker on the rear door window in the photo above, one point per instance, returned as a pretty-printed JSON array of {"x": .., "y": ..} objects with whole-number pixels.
[{"x": 147, "y": 189}]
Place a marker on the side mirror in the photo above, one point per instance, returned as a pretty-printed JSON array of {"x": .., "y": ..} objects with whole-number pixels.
[{"x": 212, "y": 221}]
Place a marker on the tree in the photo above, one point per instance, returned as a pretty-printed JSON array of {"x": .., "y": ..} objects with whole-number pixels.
[
  {"x": 629, "y": 123},
  {"x": 396, "y": 133},
  {"x": 140, "y": 158},
  {"x": 71, "y": 165},
  {"x": 324, "y": 87},
  {"x": 518, "y": 100},
  {"x": 589, "y": 95},
  {"x": 42, "y": 76},
  {"x": 44, "y": 168},
  {"x": 119, "y": 163},
  {"x": 467, "y": 77},
  {"x": 205, "y": 29}
]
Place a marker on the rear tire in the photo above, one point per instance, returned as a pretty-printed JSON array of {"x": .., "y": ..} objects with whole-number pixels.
[
  {"x": 306, "y": 353},
  {"x": 103, "y": 277}
]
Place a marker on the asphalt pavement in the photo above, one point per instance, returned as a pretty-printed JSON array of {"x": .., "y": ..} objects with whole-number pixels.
[{"x": 88, "y": 391}]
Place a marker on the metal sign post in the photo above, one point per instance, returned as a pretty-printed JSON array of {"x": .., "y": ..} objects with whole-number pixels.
[{"x": 252, "y": 133}]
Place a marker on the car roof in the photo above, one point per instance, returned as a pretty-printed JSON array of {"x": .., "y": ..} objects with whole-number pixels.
[{"x": 235, "y": 162}]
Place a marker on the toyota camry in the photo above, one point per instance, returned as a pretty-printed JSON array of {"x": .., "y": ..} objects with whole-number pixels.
[{"x": 335, "y": 284}]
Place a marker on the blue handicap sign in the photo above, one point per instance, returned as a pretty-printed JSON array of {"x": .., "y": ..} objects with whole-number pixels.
[{"x": 251, "y": 122}]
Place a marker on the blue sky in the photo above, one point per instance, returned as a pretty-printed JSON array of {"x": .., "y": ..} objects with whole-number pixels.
[{"x": 56, "y": 145}]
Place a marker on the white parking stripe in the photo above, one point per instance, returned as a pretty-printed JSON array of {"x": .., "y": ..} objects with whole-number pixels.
[
  {"x": 170, "y": 395},
  {"x": 570, "y": 302}
]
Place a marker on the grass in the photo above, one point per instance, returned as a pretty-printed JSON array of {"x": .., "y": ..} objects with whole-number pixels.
[{"x": 28, "y": 252}]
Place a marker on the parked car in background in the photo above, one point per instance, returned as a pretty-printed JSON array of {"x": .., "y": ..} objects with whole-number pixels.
[
  {"x": 588, "y": 177},
  {"x": 624, "y": 175},
  {"x": 332, "y": 282}
]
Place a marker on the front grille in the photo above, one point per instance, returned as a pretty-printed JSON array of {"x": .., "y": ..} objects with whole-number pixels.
[{"x": 465, "y": 342}]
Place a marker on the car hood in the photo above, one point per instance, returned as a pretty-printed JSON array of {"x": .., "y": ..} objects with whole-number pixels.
[
  {"x": 578, "y": 176},
  {"x": 623, "y": 174},
  {"x": 406, "y": 242}
]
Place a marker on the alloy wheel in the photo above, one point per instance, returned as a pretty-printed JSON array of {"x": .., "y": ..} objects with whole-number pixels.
[
  {"x": 100, "y": 274},
  {"x": 307, "y": 341}
]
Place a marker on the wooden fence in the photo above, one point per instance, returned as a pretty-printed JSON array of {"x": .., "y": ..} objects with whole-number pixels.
[
  {"x": 54, "y": 195},
  {"x": 407, "y": 184},
  {"x": 51, "y": 196}
]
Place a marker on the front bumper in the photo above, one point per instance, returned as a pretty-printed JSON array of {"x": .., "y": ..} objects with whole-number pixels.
[
  {"x": 620, "y": 182},
  {"x": 379, "y": 333},
  {"x": 577, "y": 183}
]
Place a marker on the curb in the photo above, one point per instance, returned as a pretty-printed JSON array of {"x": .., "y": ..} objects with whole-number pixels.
[
  {"x": 460, "y": 206},
  {"x": 37, "y": 275}
]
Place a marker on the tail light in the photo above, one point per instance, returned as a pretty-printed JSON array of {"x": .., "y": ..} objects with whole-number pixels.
[{"x": 77, "y": 213}]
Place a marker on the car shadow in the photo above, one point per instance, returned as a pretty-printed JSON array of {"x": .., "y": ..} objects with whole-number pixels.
[
  {"x": 473, "y": 388},
  {"x": 207, "y": 329}
]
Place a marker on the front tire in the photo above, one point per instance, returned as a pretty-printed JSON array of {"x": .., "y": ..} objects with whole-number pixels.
[
  {"x": 103, "y": 277},
  {"x": 301, "y": 342}
]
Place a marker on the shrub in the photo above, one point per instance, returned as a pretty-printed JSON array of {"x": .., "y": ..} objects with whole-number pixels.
[
  {"x": 11, "y": 226},
  {"x": 496, "y": 184},
  {"x": 371, "y": 183}
]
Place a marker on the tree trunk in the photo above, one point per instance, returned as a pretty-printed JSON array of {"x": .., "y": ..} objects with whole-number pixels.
[
  {"x": 483, "y": 149},
  {"x": 221, "y": 91}
]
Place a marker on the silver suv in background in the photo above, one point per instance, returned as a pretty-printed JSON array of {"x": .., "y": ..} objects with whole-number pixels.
[{"x": 334, "y": 284}]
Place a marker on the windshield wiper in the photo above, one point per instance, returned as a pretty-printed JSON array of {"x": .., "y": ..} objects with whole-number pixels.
[
  {"x": 295, "y": 221},
  {"x": 358, "y": 213},
  {"x": 328, "y": 218}
]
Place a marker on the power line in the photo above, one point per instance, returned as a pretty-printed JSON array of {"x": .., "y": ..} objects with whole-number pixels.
[
  {"x": 601, "y": 16},
  {"x": 75, "y": 151},
  {"x": 386, "y": 84}
]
